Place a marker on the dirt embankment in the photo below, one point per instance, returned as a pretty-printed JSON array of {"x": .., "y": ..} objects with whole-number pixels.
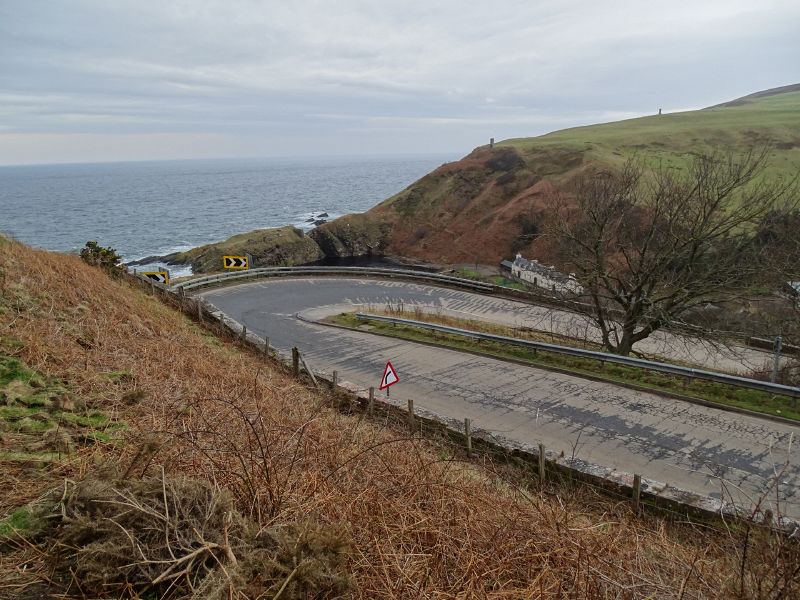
[{"x": 481, "y": 209}]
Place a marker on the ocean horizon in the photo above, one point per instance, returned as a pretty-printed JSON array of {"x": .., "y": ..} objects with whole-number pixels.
[{"x": 147, "y": 208}]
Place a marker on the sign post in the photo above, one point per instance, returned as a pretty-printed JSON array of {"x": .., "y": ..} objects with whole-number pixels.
[
  {"x": 389, "y": 377},
  {"x": 776, "y": 359}
]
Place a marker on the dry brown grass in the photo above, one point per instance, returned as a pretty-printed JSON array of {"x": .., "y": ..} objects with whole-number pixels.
[
  {"x": 420, "y": 520},
  {"x": 418, "y": 313}
]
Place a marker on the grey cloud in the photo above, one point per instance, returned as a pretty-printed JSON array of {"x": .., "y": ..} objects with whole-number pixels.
[{"x": 360, "y": 75}]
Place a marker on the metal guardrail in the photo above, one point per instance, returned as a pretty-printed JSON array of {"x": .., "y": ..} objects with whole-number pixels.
[
  {"x": 477, "y": 286},
  {"x": 363, "y": 271},
  {"x": 755, "y": 384}
]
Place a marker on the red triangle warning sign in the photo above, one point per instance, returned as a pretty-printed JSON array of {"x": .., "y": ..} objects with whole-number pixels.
[{"x": 389, "y": 376}]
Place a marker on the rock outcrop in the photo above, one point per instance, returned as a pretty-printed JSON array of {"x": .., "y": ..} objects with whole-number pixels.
[
  {"x": 282, "y": 246},
  {"x": 352, "y": 236}
]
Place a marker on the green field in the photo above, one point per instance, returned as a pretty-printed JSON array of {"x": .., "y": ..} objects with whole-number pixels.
[{"x": 672, "y": 139}]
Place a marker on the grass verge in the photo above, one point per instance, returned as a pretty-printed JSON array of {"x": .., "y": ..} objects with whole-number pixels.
[
  {"x": 708, "y": 391},
  {"x": 40, "y": 418}
]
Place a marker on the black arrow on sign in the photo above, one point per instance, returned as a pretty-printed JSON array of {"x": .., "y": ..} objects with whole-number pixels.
[
  {"x": 159, "y": 277},
  {"x": 234, "y": 261}
]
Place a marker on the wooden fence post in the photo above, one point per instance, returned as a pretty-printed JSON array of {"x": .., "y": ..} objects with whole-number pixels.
[
  {"x": 468, "y": 435},
  {"x": 335, "y": 381},
  {"x": 411, "y": 412},
  {"x": 296, "y": 362},
  {"x": 266, "y": 346},
  {"x": 541, "y": 463},
  {"x": 244, "y": 333},
  {"x": 637, "y": 492},
  {"x": 371, "y": 401},
  {"x": 310, "y": 372},
  {"x": 199, "y": 311}
]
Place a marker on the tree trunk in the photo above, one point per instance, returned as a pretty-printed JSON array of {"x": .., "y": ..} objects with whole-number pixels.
[{"x": 625, "y": 344}]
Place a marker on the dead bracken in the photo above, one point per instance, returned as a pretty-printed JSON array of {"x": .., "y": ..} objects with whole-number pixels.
[{"x": 180, "y": 538}]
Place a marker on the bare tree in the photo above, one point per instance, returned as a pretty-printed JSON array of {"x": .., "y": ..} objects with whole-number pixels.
[{"x": 649, "y": 245}]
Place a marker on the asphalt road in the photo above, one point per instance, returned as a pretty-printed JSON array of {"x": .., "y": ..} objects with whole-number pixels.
[{"x": 704, "y": 450}]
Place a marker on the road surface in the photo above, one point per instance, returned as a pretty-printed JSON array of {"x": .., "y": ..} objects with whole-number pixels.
[{"x": 704, "y": 450}]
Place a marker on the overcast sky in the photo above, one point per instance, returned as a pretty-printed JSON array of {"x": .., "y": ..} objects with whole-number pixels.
[{"x": 84, "y": 80}]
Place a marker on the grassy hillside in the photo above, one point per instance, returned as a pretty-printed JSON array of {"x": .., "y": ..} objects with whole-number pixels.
[
  {"x": 491, "y": 203},
  {"x": 673, "y": 138},
  {"x": 234, "y": 477}
]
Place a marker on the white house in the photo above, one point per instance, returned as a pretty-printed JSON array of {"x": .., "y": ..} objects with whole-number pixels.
[{"x": 544, "y": 277}]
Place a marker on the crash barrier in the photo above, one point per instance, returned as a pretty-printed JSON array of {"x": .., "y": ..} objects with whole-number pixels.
[
  {"x": 687, "y": 372},
  {"x": 208, "y": 280},
  {"x": 563, "y": 302}
]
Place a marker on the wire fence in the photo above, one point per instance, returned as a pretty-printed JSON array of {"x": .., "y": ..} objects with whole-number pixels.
[{"x": 466, "y": 440}]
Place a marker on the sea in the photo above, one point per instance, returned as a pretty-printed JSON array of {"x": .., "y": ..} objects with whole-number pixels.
[{"x": 152, "y": 208}]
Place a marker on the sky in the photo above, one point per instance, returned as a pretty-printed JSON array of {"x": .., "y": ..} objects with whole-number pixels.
[{"x": 100, "y": 80}]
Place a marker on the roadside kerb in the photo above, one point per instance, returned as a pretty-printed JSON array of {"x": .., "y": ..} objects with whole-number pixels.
[{"x": 764, "y": 386}]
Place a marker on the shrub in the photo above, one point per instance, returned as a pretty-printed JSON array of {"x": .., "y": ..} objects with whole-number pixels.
[{"x": 106, "y": 258}]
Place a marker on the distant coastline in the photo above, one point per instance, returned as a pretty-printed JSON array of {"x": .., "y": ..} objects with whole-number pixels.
[{"x": 154, "y": 208}]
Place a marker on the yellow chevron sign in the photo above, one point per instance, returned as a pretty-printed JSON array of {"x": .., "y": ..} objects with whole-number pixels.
[
  {"x": 157, "y": 276},
  {"x": 235, "y": 262}
]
